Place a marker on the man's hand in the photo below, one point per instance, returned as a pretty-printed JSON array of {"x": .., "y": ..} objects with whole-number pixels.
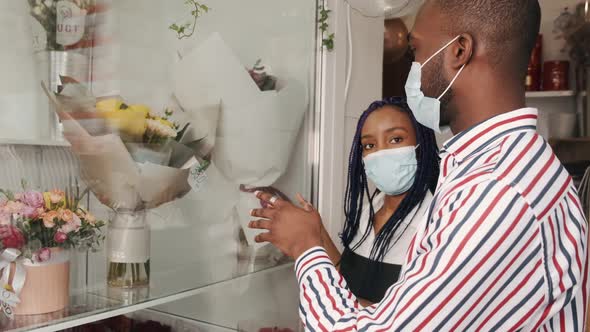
[{"x": 290, "y": 228}]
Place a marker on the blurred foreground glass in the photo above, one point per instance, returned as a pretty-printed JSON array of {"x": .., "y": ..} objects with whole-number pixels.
[{"x": 63, "y": 37}]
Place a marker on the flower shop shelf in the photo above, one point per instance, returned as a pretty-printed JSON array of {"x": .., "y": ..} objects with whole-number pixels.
[{"x": 102, "y": 302}]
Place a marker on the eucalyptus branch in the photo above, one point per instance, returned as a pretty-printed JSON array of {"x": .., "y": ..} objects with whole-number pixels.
[
  {"x": 327, "y": 38},
  {"x": 182, "y": 30}
]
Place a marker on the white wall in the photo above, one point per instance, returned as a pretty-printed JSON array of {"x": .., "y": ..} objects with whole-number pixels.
[{"x": 341, "y": 114}]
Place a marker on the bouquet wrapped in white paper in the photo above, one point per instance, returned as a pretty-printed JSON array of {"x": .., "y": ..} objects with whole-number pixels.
[
  {"x": 135, "y": 161},
  {"x": 260, "y": 116}
]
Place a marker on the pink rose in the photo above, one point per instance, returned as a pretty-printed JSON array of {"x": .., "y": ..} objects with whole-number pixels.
[
  {"x": 43, "y": 255},
  {"x": 66, "y": 215},
  {"x": 49, "y": 218},
  {"x": 33, "y": 199},
  {"x": 11, "y": 237},
  {"x": 60, "y": 237}
]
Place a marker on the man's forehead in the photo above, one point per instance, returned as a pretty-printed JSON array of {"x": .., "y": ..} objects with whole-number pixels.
[{"x": 427, "y": 21}]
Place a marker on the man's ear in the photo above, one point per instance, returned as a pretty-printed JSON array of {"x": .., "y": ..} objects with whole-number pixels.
[{"x": 461, "y": 51}]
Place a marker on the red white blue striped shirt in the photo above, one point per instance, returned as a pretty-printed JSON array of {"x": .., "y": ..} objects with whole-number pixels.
[{"x": 502, "y": 248}]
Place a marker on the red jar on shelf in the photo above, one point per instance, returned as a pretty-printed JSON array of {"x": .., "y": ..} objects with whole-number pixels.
[
  {"x": 533, "y": 76},
  {"x": 556, "y": 75}
]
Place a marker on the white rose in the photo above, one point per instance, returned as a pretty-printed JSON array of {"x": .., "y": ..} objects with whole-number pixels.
[{"x": 160, "y": 129}]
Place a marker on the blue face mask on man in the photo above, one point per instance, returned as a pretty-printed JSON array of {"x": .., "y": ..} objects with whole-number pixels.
[
  {"x": 393, "y": 170},
  {"x": 426, "y": 109}
]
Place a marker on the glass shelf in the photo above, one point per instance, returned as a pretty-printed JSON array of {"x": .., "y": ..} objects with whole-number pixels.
[
  {"x": 34, "y": 142},
  {"x": 262, "y": 301},
  {"x": 100, "y": 303},
  {"x": 251, "y": 121}
]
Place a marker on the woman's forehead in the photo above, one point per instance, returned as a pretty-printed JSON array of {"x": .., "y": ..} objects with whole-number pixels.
[{"x": 387, "y": 116}]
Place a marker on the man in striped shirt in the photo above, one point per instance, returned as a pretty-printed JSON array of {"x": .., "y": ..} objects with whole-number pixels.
[{"x": 503, "y": 246}]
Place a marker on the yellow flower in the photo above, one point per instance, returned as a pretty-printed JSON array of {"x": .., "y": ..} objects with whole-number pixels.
[
  {"x": 131, "y": 123},
  {"x": 139, "y": 109},
  {"x": 47, "y": 199},
  {"x": 108, "y": 105}
]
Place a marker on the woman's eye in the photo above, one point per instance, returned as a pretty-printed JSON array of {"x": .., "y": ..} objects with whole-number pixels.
[
  {"x": 368, "y": 146},
  {"x": 396, "y": 140}
]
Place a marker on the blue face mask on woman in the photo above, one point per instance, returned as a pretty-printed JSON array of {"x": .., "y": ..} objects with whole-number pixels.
[
  {"x": 393, "y": 170},
  {"x": 426, "y": 109}
]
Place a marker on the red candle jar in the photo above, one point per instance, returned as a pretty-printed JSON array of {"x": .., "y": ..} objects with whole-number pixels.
[
  {"x": 556, "y": 75},
  {"x": 533, "y": 78}
]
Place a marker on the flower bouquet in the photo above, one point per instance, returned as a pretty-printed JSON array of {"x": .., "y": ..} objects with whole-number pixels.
[
  {"x": 261, "y": 114},
  {"x": 60, "y": 24},
  {"x": 37, "y": 230},
  {"x": 135, "y": 161}
]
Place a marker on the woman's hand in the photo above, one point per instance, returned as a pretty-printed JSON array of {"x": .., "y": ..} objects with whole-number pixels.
[{"x": 291, "y": 229}]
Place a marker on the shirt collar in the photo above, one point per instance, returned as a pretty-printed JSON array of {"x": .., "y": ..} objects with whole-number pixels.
[{"x": 478, "y": 137}]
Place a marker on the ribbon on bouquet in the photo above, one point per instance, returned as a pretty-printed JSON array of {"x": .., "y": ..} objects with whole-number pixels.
[{"x": 9, "y": 292}]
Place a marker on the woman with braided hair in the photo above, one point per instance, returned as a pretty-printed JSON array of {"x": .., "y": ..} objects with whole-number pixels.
[{"x": 400, "y": 157}]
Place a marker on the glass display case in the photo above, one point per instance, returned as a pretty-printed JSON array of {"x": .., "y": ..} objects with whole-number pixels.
[{"x": 133, "y": 135}]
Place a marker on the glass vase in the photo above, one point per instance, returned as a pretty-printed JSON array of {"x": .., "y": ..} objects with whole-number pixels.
[{"x": 128, "y": 252}]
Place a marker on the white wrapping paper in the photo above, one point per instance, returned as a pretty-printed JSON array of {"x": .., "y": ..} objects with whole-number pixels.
[{"x": 256, "y": 131}]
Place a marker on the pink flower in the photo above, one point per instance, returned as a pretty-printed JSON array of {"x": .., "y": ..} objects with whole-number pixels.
[
  {"x": 33, "y": 199},
  {"x": 60, "y": 237},
  {"x": 90, "y": 218},
  {"x": 56, "y": 196},
  {"x": 18, "y": 196},
  {"x": 5, "y": 218},
  {"x": 11, "y": 237},
  {"x": 30, "y": 212},
  {"x": 66, "y": 215},
  {"x": 72, "y": 226},
  {"x": 14, "y": 207},
  {"x": 43, "y": 255},
  {"x": 49, "y": 218}
]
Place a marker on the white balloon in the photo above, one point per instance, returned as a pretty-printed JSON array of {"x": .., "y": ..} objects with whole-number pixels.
[{"x": 385, "y": 8}]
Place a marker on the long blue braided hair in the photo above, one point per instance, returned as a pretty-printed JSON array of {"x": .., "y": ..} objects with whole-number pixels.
[{"x": 357, "y": 188}]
